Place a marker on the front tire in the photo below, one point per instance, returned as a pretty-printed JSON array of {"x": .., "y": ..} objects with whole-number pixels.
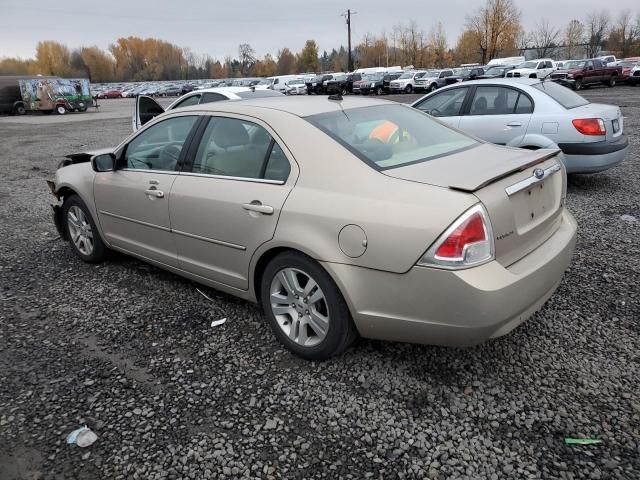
[
  {"x": 81, "y": 231},
  {"x": 612, "y": 81},
  {"x": 378, "y": 91},
  {"x": 578, "y": 84},
  {"x": 61, "y": 109},
  {"x": 19, "y": 109},
  {"x": 304, "y": 307},
  {"x": 432, "y": 88},
  {"x": 408, "y": 89}
]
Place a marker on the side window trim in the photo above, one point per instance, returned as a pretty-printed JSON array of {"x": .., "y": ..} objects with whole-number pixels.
[{"x": 265, "y": 160}]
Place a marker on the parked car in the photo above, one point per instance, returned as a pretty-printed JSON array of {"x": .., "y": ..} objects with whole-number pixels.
[
  {"x": 372, "y": 83},
  {"x": 627, "y": 66},
  {"x": 316, "y": 84},
  {"x": 406, "y": 82},
  {"x": 109, "y": 94},
  {"x": 170, "y": 91},
  {"x": 533, "y": 69},
  {"x": 433, "y": 80},
  {"x": 387, "y": 79},
  {"x": 245, "y": 200},
  {"x": 337, "y": 84},
  {"x": 147, "y": 108},
  {"x": 582, "y": 73},
  {"x": 634, "y": 75},
  {"x": 351, "y": 79},
  {"x": 496, "y": 71},
  {"x": 608, "y": 60},
  {"x": 296, "y": 87},
  {"x": 464, "y": 74},
  {"x": 533, "y": 114},
  {"x": 10, "y": 97},
  {"x": 186, "y": 88}
]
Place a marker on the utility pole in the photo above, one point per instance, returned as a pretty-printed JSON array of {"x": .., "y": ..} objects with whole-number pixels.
[{"x": 347, "y": 15}]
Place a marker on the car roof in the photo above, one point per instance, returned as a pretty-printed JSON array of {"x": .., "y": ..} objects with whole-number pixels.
[
  {"x": 299, "y": 106},
  {"x": 515, "y": 82}
]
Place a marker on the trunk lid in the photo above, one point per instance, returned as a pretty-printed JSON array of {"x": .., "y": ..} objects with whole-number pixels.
[{"x": 524, "y": 209}]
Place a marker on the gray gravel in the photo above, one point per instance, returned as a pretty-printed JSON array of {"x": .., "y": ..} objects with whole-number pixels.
[{"x": 128, "y": 350}]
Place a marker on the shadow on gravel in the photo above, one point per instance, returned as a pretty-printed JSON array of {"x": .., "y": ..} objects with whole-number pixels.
[{"x": 589, "y": 182}]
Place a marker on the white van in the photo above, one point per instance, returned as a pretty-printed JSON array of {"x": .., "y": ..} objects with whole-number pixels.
[
  {"x": 506, "y": 61},
  {"x": 279, "y": 82}
]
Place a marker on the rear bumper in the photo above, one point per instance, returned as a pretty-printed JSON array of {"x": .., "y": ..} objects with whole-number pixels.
[
  {"x": 594, "y": 157},
  {"x": 455, "y": 308}
]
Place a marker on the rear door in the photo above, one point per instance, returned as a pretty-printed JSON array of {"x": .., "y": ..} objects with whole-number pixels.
[
  {"x": 447, "y": 104},
  {"x": 498, "y": 114},
  {"x": 228, "y": 201}
]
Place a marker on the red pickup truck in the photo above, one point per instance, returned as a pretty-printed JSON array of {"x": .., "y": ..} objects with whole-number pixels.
[{"x": 578, "y": 74}]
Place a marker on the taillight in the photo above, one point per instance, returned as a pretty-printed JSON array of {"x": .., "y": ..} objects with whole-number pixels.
[
  {"x": 466, "y": 243},
  {"x": 590, "y": 126}
]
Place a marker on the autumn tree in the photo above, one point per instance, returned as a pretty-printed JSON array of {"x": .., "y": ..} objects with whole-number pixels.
[
  {"x": 98, "y": 63},
  {"x": 496, "y": 27},
  {"x": 308, "y": 58},
  {"x": 17, "y": 66},
  {"x": 466, "y": 49},
  {"x": 216, "y": 70},
  {"x": 544, "y": 39},
  {"x": 573, "y": 39},
  {"x": 266, "y": 67},
  {"x": 286, "y": 62},
  {"x": 596, "y": 31},
  {"x": 437, "y": 47},
  {"x": 53, "y": 58}
]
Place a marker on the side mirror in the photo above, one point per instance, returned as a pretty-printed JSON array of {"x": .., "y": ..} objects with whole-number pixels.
[{"x": 103, "y": 163}]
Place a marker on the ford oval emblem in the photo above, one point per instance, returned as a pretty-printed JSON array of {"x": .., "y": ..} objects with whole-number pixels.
[{"x": 538, "y": 173}]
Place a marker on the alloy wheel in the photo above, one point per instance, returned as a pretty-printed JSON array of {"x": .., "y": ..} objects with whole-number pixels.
[
  {"x": 80, "y": 230},
  {"x": 300, "y": 307}
]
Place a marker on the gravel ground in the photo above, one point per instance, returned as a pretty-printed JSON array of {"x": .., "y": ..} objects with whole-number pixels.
[{"x": 127, "y": 349}]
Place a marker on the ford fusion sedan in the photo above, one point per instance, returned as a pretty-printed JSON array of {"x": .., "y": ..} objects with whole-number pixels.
[
  {"x": 534, "y": 114},
  {"x": 278, "y": 201}
]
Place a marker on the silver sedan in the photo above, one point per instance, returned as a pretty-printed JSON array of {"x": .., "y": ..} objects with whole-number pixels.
[{"x": 534, "y": 114}]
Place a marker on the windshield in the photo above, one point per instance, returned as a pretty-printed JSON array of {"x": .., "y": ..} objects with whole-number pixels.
[
  {"x": 406, "y": 75},
  {"x": 390, "y": 136},
  {"x": 295, "y": 82},
  {"x": 339, "y": 78},
  {"x": 465, "y": 72},
  {"x": 574, "y": 64},
  {"x": 528, "y": 65},
  {"x": 372, "y": 77},
  {"x": 565, "y": 97},
  {"x": 495, "y": 71}
]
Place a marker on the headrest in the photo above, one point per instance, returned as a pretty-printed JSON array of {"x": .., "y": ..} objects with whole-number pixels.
[{"x": 230, "y": 133}]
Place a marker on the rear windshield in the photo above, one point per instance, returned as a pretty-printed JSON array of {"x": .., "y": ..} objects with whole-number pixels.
[
  {"x": 565, "y": 97},
  {"x": 390, "y": 136}
]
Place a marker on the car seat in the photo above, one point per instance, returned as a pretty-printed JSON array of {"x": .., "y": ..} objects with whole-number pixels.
[
  {"x": 230, "y": 151},
  {"x": 479, "y": 106}
]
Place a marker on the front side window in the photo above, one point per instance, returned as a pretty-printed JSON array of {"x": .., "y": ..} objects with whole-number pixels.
[
  {"x": 159, "y": 146},
  {"x": 390, "y": 136},
  {"x": 239, "y": 148},
  {"x": 447, "y": 103}
]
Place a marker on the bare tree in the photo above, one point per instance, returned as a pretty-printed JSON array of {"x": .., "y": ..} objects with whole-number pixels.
[
  {"x": 495, "y": 26},
  {"x": 596, "y": 31},
  {"x": 247, "y": 57},
  {"x": 544, "y": 39},
  {"x": 624, "y": 34},
  {"x": 573, "y": 39}
]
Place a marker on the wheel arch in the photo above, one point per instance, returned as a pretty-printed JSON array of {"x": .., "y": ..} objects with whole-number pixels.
[{"x": 532, "y": 142}]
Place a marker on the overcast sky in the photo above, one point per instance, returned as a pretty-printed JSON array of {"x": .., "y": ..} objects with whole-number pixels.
[{"x": 217, "y": 27}]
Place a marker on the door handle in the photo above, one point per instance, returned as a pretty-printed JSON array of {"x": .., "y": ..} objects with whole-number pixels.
[
  {"x": 154, "y": 192},
  {"x": 514, "y": 124},
  {"x": 256, "y": 206}
]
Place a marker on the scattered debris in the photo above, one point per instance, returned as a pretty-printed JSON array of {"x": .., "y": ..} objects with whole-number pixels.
[
  {"x": 215, "y": 323},
  {"x": 83, "y": 437},
  {"x": 582, "y": 441},
  {"x": 628, "y": 218}
]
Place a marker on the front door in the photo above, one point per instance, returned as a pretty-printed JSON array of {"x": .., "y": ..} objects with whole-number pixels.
[
  {"x": 146, "y": 109},
  {"x": 498, "y": 114},
  {"x": 229, "y": 203},
  {"x": 133, "y": 200}
]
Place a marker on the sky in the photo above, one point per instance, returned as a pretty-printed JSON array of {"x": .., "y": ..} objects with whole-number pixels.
[{"x": 217, "y": 27}]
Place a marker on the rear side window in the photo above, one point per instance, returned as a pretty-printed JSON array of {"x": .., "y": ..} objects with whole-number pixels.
[
  {"x": 390, "y": 136},
  {"x": 210, "y": 97},
  {"x": 494, "y": 100},
  {"x": 565, "y": 97},
  {"x": 238, "y": 148},
  {"x": 191, "y": 100}
]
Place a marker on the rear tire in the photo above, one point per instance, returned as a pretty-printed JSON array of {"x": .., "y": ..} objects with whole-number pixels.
[
  {"x": 81, "y": 231},
  {"x": 311, "y": 321},
  {"x": 61, "y": 109}
]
